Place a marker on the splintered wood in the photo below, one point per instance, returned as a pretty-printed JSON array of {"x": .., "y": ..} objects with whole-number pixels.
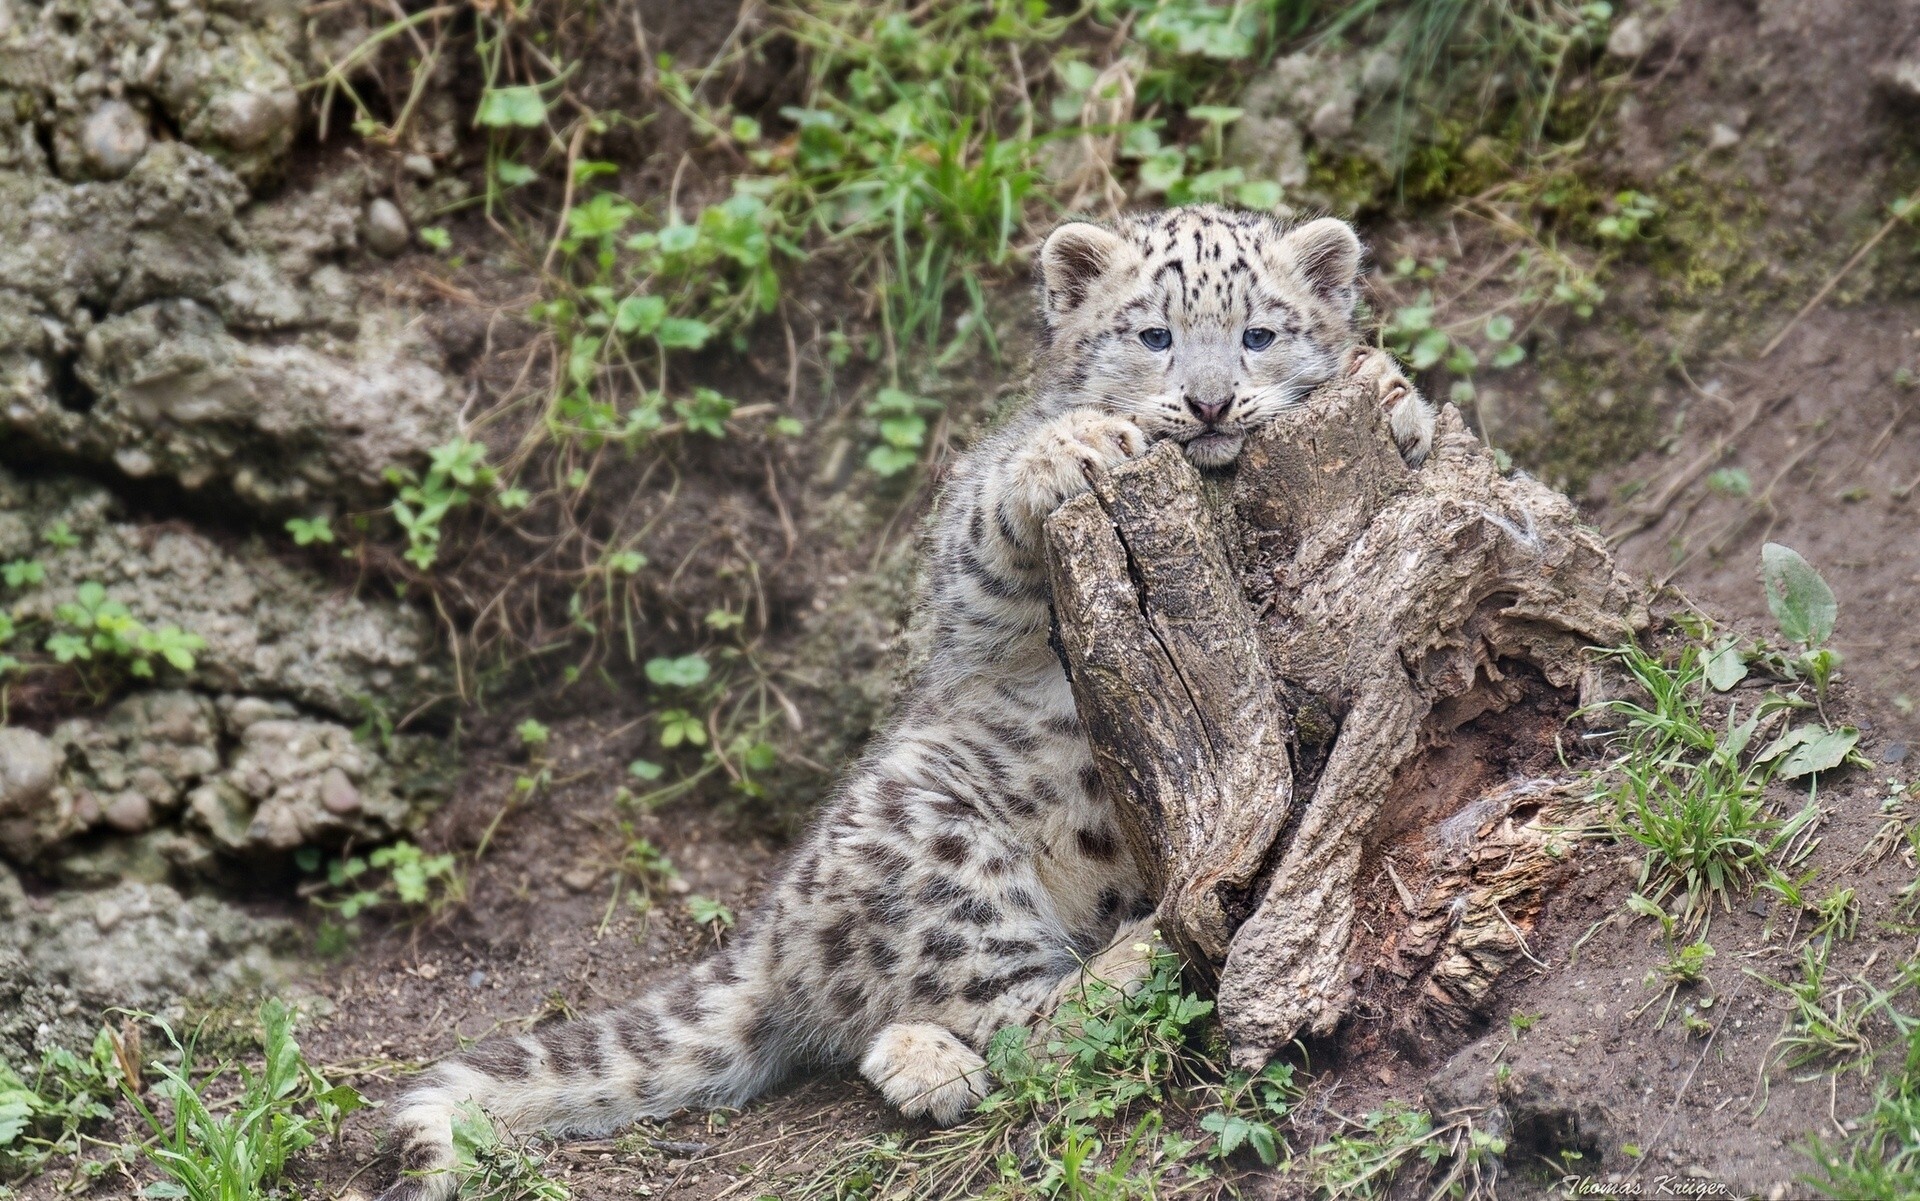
[{"x": 1262, "y": 662}]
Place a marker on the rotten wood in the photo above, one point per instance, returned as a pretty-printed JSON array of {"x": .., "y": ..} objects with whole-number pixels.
[
  {"x": 1196, "y": 615},
  {"x": 1165, "y": 654}
]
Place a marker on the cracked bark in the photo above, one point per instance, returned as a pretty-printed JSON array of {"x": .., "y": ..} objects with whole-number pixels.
[{"x": 1211, "y": 625}]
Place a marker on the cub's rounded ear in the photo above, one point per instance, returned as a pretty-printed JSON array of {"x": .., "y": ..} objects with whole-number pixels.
[
  {"x": 1325, "y": 254},
  {"x": 1075, "y": 257}
]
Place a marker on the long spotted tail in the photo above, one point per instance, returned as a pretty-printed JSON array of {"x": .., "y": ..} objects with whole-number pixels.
[{"x": 707, "y": 1040}]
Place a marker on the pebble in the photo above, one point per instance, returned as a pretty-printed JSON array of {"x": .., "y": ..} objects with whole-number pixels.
[
  {"x": 29, "y": 764},
  {"x": 476, "y": 979},
  {"x": 581, "y": 878},
  {"x": 418, "y": 165},
  {"x": 113, "y": 139},
  {"x": 129, "y": 812},
  {"x": 1628, "y": 39},
  {"x": 337, "y": 793},
  {"x": 1722, "y": 136},
  {"x": 387, "y": 232},
  {"x": 244, "y": 118},
  {"x": 1332, "y": 120},
  {"x": 1900, "y": 80},
  {"x": 1895, "y": 752}
]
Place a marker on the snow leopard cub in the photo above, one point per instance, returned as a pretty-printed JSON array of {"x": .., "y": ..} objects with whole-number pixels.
[{"x": 967, "y": 867}]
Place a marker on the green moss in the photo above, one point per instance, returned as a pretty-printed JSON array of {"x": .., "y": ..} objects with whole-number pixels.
[
  {"x": 1595, "y": 414},
  {"x": 1705, "y": 245},
  {"x": 1433, "y": 173}
]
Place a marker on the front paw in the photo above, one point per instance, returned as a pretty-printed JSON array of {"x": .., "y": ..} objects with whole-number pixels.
[
  {"x": 1408, "y": 414},
  {"x": 923, "y": 1070},
  {"x": 1068, "y": 452}
]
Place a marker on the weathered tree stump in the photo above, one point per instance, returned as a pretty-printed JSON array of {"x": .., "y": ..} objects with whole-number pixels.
[{"x": 1326, "y": 621}]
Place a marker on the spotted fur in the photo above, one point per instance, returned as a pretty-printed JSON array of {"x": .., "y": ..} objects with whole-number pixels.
[{"x": 967, "y": 866}]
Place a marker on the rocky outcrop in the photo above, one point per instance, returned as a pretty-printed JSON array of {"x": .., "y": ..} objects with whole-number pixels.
[
  {"x": 269, "y": 628},
  {"x": 65, "y": 960},
  {"x": 172, "y": 783},
  {"x": 155, "y": 315}
]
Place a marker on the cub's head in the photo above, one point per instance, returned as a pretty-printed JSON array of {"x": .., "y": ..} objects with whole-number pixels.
[{"x": 1200, "y": 324}]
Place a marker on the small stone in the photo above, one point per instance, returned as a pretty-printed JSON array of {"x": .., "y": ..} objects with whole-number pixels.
[
  {"x": 387, "y": 232},
  {"x": 1270, "y": 148},
  {"x": 337, "y": 793},
  {"x": 1628, "y": 39},
  {"x": 418, "y": 165},
  {"x": 476, "y": 979},
  {"x": 113, "y": 139},
  {"x": 1332, "y": 120},
  {"x": 129, "y": 812},
  {"x": 1722, "y": 136},
  {"x": 581, "y": 878},
  {"x": 29, "y": 765},
  {"x": 1380, "y": 72},
  {"x": 1895, "y": 752},
  {"x": 134, "y": 462},
  {"x": 250, "y": 710},
  {"x": 1899, "y": 81},
  {"x": 246, "y": 119},
  {"x": 222, "y": 811}
]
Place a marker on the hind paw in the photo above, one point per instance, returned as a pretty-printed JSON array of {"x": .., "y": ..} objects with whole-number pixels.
[
  {"x": 924, "y": 1071},
  {"x": 1126, "y": 965}
]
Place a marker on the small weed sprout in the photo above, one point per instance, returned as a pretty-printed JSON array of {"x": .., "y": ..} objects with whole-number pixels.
[
  {"x": 1688, "y": 792},
  {"x": 237, "y": 1151},
  {"x": 494, "y": 1169},
  {"x": 399, "y": 876},
  {"x": 1826, "y": 1024},
  {"x": 43, "y": 1118}
]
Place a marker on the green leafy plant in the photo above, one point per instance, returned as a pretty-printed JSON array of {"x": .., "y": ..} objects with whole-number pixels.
[
  {"x": 678, "y": 726},
  {"x": 1730, "y": 481},
  {"x": 686, "y": 671},
  {"x": 23, "y": 573},
  {"x": 708, "y": 912},
  {"x": 1086, "y": 1108},
  {"x": 238, "y": 1151},
  {"x": 308, "y": 530},
  {"x": 493, "y": 1169},
  {"x": 1804, "y": 607},
  {"x": 1688, "y": 792},
  {"x": 1882, "y": 1157},
  {"x": 43, "y": 1118},
  {"x": 903, "y": 430},
  {"x": 455, "y": 470},
  {"x": 533, "y": 733},
  {"x": 92, "y": 628},
  {"x": 1827, "y": 1021},
  {"x": 1632, "y": 213},
  {"x": 399, "y": 875}
]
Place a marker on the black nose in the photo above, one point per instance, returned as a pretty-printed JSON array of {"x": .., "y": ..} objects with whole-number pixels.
[{"x": 1209, "y": 412}]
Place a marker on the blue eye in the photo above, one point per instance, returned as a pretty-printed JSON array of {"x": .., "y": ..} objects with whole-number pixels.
[
  {"x": 1257, "y": 339},
  {"x": 1157, "y": 338}
]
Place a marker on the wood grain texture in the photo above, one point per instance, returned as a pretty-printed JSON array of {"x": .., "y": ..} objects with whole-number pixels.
[
  {"x": 1164, "y": 654},
  {"x": 1409, "y": 601}
]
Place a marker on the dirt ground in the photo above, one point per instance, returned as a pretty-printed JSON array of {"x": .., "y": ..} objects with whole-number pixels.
[{"x": 1826, "y": 425}]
